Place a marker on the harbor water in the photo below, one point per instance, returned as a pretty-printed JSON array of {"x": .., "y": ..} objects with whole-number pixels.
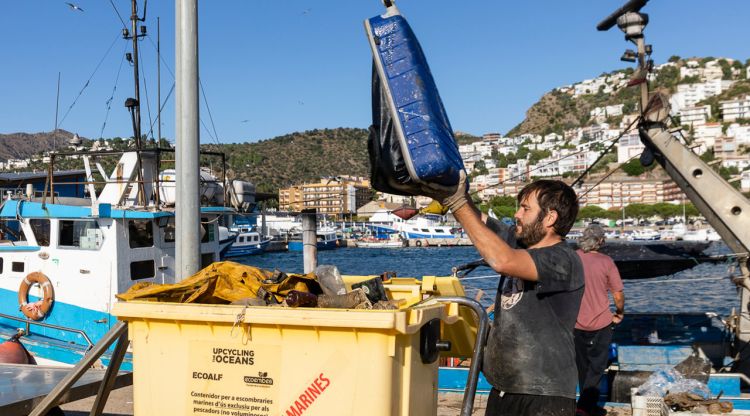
[{"x": 703, "y": 288}]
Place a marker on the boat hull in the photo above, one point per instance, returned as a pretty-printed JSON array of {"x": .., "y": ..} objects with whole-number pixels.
[
  {"x": 321, "y": 245},
  {"x": 248, "y": 250}
]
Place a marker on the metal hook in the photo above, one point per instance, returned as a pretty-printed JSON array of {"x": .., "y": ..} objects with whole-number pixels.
[{"x": 238, "y": 320}]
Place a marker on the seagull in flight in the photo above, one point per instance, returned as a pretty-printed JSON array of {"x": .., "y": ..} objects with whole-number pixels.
[
  {"x": 244, "y": 121},
  {"x": 74, "y": 6}
]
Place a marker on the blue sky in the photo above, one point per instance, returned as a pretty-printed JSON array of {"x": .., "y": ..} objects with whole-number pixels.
[{"x": 275, "y": 67}]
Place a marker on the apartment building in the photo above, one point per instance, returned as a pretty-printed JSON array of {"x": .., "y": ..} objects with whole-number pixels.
[
  {"x": 688, "y": 95},
  {"x": 707, "y": 134},
  {"x": 731, "y": 110},
  {"x": 695, "y": 116},
  {"x": 290, "y": 199},
  {"x": 332, "y": 196},
  {"x": 739, "y": 132},
  {"x": 609, "y": 194},
  {"x": 628, "y": 147}
]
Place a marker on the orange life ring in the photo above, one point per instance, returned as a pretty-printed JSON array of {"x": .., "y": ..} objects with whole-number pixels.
[{"x": 36, "y": 310}]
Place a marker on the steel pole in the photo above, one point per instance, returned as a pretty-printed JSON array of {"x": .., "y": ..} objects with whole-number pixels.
[
  {"x": 188, "y": 141},
  {"x": 309, "y": 240}
]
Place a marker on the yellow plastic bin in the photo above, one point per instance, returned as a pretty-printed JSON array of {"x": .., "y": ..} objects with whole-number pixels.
[{"x": 256, "y": 361}]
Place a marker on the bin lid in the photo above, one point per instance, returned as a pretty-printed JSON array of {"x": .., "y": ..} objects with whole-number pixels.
[{"x": 405, "y": 321}]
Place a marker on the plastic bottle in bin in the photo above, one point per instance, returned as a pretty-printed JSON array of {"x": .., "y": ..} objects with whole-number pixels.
[{"x": 330, "y": 280}]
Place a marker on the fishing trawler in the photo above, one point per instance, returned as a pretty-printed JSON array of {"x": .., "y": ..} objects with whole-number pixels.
[{"x": 63, "y": 259}]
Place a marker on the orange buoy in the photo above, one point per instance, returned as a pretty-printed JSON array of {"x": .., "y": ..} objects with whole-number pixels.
[{"x": 13, "y": 352}]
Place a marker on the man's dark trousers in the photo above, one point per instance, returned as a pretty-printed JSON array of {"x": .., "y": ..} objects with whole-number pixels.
[{"x": 592, "y": 353}]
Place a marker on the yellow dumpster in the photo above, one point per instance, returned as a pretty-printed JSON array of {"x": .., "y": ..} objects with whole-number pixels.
[{"x": 232, "y": 360}]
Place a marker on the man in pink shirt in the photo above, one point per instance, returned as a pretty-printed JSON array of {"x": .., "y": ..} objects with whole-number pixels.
[{"x": 593, "y": 331}]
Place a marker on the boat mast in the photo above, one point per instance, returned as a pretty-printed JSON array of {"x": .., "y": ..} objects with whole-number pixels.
[
  {"x": 57, "y": 112},
  {"x": 188, "y": 254},
  {"x": 158, "y": 82},
  {"x": 134, "y": 104}
]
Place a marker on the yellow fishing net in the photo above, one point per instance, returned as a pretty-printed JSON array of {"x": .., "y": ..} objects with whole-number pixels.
[{"x": 224, "y": 282}]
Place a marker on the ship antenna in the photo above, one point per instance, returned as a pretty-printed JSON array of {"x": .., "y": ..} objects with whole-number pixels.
[
  {"x": 134, "y": 104},
  {"x": 632, "y": 22}
]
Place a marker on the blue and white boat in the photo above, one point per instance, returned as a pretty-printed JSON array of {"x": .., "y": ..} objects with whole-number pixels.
[
  {"x": 327, "y": 238},
  {"x": 83, "y": 251},
  {"x": 247, "y": 242},
  {"x": 63, "y": 259},
  {"x": 384, "y": 223}
]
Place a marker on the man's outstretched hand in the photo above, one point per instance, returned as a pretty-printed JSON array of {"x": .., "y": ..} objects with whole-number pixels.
[{"x": 451, "y": 197}]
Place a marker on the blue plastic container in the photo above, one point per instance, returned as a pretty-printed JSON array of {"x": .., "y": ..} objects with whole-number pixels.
[{"x": 420, "y": 122}]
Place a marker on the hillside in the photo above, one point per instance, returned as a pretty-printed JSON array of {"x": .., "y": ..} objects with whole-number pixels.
[
  {"x": 25, "y": 145},
  {"x": 302, "y": 156},
  {"x": 559, "y": 109},
  {"x": 297, "y": 157}
]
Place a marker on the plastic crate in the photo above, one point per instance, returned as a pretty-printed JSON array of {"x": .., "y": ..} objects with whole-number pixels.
[{"x": 648, "y": 405}]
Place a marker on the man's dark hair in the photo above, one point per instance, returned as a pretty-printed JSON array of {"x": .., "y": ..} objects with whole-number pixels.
[{"x": 554, "y": 195}]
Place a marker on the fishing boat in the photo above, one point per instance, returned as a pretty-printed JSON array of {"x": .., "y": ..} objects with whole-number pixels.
[
  {"x": 327, "y": 238},
  {"x": 703, "y": 234},
  {"x": 247, "y": 242},
  {"x": 67, "y": 257},
  {"x": 383, "y": 223},
  {"x": 645, "y": 234},
  {"x": 370, "y": 242}
]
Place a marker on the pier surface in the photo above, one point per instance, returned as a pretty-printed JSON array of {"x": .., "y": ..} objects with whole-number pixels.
[{"x": 120, "y": 403}]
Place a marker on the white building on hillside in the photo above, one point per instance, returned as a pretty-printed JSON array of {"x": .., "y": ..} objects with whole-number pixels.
[
  {"x": 695, "y": 116},
  {"x": 532, "y": 138},
  {"x": 741, "y": 162},
  {"x": 712, "y": 71},
  {"x": 688, "y": 95},
  {"x": 507, "y": 149},
  {"x": 731, "y": 110},
  {"x": 592, "y": 86},
  {"x": 745, "y": 183},
  {"x": 600, "y": 114},
  {"x": 740, "y": 132},
  {"x": 518, "y": 171},
  {"x": 628, "y": 147},
  {"x": 707, "y": 134},
  {"x": 690, "y": 69}
]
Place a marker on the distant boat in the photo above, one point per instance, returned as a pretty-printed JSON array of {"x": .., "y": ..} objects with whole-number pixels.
[
  {"x": 247, "y": 243},
  {"x": 385, "y": 223},
  {"x": 704, "y": 234},
  {"x": 369, "y": 242},
  {"x": 327, "y": 238},
  {"x": 645, "y": 234}
]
